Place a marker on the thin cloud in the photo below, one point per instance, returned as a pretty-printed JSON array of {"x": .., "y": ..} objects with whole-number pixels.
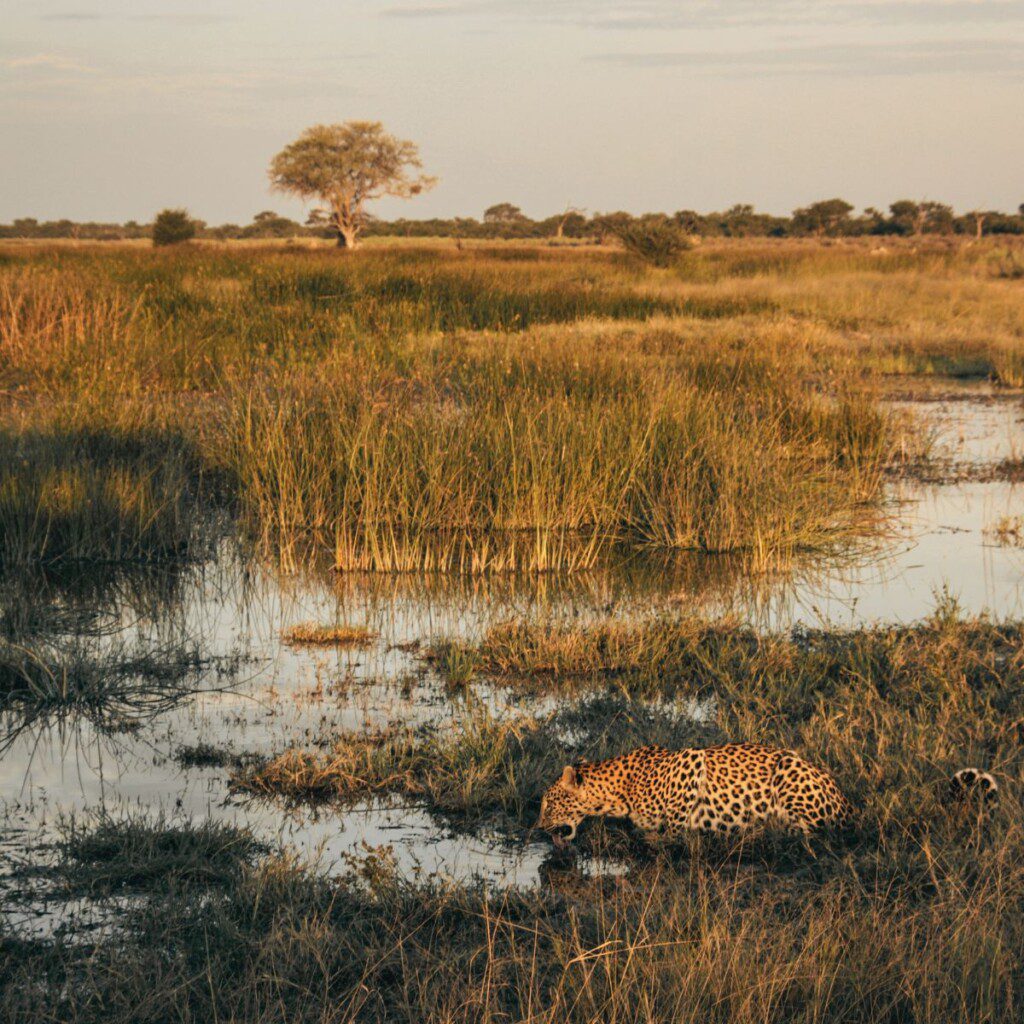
[
  {"x": 661, "y": 15},
  {"x": 210, "y": 85},
  {"x": 968, "y": 57},
  {"x": 169, "y": 17},
  {"x": 47, "y": 62},
  {"x": 71, "y": 16},
  {"x": 433, "y": 10}
]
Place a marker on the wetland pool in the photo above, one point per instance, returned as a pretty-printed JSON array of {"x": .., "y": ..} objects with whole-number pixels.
[{"x": 252, "y": 693}]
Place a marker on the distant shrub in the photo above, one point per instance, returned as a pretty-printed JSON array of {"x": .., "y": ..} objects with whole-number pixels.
[
  {"x": 172, "y": 227},
  {"x": 655, "y": 240}
]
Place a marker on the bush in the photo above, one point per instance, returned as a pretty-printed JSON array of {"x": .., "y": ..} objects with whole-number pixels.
[
  {"x": 653, "y": 239},
  {"x": 172, "y": 227}
]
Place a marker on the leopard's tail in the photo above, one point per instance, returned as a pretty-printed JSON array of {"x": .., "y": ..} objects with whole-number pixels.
[{"x": 972, "y": 783}]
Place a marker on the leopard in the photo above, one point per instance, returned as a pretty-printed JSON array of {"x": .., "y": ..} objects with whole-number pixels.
[{"x": 726, "y": 789}]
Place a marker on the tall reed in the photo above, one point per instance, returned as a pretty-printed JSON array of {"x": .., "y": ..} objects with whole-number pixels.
[
  {"x": 417, "y": 409},
  {"x": 540, "y": 455}
]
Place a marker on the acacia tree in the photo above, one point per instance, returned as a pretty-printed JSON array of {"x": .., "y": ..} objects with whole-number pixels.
[
  {"x": 345, "y": 166},
  {"x": 917, "y": 218},
  {"x": 504, "y": 213},
  {"x": 826, "y": 217},
  {"x": 570, "y": 216}
]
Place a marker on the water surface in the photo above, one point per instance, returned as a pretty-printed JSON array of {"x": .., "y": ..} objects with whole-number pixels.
[{"x": 256, "y": 694}]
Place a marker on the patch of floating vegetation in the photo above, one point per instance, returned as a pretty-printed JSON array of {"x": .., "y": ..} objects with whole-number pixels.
[
  {"x": 312, "y": 634},
  {"x": 113, "y": 680},
  {"x": 206, "y": 755},
  {"x": 1007, "y": 531}
]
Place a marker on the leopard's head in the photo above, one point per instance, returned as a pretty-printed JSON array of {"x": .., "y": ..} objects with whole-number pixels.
[
  {"x": 563, "y": 807},
  {"x": 571, "y": 799}
]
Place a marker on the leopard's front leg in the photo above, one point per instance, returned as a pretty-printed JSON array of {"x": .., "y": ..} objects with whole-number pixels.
[{"x": 653, "y": 828}]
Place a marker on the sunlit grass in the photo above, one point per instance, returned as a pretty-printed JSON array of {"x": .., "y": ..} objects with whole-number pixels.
[
  {"x": 312, "y": 634},
  {"x": 501, "y": 409},
  {"x": 912, "y": 916},
  {"x": 893, "y": 710}
]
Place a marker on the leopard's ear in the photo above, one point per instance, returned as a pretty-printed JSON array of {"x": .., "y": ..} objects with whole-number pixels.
[{"x": 571, "y": 776}]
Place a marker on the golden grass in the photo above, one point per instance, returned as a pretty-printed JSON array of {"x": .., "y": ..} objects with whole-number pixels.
[
  {"x": 509, "y": 408},
  {"x": 914, "y": 917},
  {"x": 1007, "y": 531},
  {"x": 312, "y": 634}
]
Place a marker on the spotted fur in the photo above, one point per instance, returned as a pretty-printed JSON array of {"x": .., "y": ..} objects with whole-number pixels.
[
  {"x": 973, "y": 782},
  {"x": 724, "y": 789}
]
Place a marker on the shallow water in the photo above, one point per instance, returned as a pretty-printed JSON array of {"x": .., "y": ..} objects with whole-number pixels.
[{"x": 259, "y": 695}]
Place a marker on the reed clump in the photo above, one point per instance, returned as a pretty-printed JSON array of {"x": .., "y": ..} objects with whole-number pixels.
[
  {"x": 112, "y": 684},
  {"x": 531, "y": 456},
  {"x": 313, "y": 634}
]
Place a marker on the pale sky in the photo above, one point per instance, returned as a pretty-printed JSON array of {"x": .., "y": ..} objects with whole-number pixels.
[{"x": 113, "y": 109}]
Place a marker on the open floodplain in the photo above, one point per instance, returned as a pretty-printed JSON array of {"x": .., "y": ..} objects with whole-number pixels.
[{"x": 316, "y": 569}]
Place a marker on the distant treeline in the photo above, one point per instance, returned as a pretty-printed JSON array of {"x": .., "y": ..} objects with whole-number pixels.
[{"x": 829, "y": 218}]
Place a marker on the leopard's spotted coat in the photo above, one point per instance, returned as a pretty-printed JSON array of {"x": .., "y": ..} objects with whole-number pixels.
[{"x": 718, "y": 789}]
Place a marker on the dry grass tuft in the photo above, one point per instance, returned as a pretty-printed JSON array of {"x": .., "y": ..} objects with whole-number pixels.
[
  {"x": 312, "y": 634},
  {"x": 1007, "y": 531}
]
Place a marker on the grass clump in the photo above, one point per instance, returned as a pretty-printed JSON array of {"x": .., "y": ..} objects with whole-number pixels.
[
  {"x": 311, "y": 634},
  {"x": 470, "y": 769},
  {"x": 105, "y": 855},
  {"x": 655, "y": 240},
  {"x": 71, "y": 494},
  {"x": 552, "y": 654},
  {"x": 110, "y": 683},
  {"x": 1007, "y": 531},
  {"x": 689, "y": 943}
]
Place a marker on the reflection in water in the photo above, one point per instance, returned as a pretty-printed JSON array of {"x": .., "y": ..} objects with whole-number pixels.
[{"x": 252, "y": 693}]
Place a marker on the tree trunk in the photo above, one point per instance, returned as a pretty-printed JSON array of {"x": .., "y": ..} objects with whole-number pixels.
[{"x": 346, "y": 237}]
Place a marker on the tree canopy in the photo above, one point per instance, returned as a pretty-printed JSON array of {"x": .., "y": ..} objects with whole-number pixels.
[
  {"x": 172, "y": 227},
  {"x": 503, "y": 213},
  {"x": 825, "y": 217},
  {"x": 345, "y": 166}
]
